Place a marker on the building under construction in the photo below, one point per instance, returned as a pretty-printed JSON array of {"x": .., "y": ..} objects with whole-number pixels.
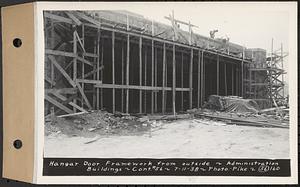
[{"x": 121, "y": 61}]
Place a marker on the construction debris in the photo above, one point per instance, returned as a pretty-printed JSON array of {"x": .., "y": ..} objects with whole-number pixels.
[{"x": 231, "y": 104}]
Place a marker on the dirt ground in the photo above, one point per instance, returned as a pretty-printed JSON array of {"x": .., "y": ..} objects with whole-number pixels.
[{"x": 190, "y": 138}]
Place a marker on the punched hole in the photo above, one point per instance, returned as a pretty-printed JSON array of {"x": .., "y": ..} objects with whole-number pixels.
[
  {"x": 17, "y": 144},
  {"x": 17, "y": 42}
]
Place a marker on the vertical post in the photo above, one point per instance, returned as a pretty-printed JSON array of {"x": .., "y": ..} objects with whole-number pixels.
[
  {"x": 145, "y": 80},
  {"x": 152, "y": 70},
  {"x": 174, "y": 80},
  {"x": 52, "y": 45},
  {"x": 250, "y": 83},
  {"x": 127, "y": 73},
  {"x": 113, "y": 70},
  {"x": 122, "y": 74},
  {"x": 191, "y": 79},
  {"x": 281, "y": 59},
  {"x": 202, "y": 92},
  {"x": 218, "y": 74},
  {"x": 164, "y": 78},
  {"x": 225, "y": 78},
  {"x": 127, "y": 67},
  {"x": 232, "y": 79},
  {"x": 140, "y": 73},
  {"x": 198, "y": 81},
  {"x": 155, "y": 98},
  {"x": 242, "y": 78},
  {"x": 74, "y": 62},
  {"x": 82, "y": 65},
  {"x": 101, "y": 89},
  {"x": 182, "y": 80}
]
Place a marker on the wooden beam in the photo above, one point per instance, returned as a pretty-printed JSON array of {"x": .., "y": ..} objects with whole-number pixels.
[
  {"x": 49, "y": 80},
  {"x": 58, "y": 18},
  {"x": 89, "y": 81},
  {"x": 152, "y": 72},
  {"x": 58, "y": 104},
  {"x": 89, "y": 19},
  {"x": 70, "y": 91},
  {"x": 242, "y": 78},
  {"x": 218, "y": 75},
  {"x": 191, "y": 79},
  {"x": 74, "y": 19},
  {"x": 202, "y": 93},
  {"x": 122, "y": 79},
  {"x": 75, "y": 64},
  {"x": 97, "y": 50},
  {"x": 62, "y": 71},
  {"x": 63, "y": 98},
  {"x": 140, "y": 73},
  {"x": 113, "y": 72},
  {"x": 174, "y": 81},
  {"x": 145, "y": 80},
  {"x": 93, "y": 72},
  {"x": 199, "y": 79},
  {"x": 67, "y": 54},
  {"x": 127, "y": 73},
  {"x": 225, "y": 78},
  {"x": 80, "y": 42},
  {"x": 136, "y": 87},
  {"x": 155, "y": 72},
  {"x": 83, "y": 95},
  {"x": 232, "y": 80},
  {"x": 164, "y": 78},
  {"x": 181, "y": 80}
]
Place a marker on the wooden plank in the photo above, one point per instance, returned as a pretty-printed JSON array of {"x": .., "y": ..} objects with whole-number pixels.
[
  {"x": 140, "y": 73},
  {"x": 136, "y": 87},
  {"x": 75, "y": 64},
  {"x": 225, "y": 78},
  {"x": 145, "y": 80},
  {"x": 152, "y": 72},
  {"x": 102, "y": 62},
  {"x": 89, "y": 19},
  {"x": 218, "y": 75},
  {"x": 182, "y": 80},
  {"x": 58, "y": 104},
  {"x": 232, "y": 80},
  {"x": 127, "y": 72},
  {"x": 174, "y": 81},
  {"x": 155, "y": 80},
  {"x": 62, "y": 71},
  {"x": 198, "y": 81},
  {"x": 83, "y": 95},
  {"x": 58, "y": 18},
  {"x": 242, "y": 78},
  {"x": 122, "y": 79},
  {"x": 80, "y": 42},
  {"x": 63, "y": 98},
  {"x": 89, "y": 81},
  {"x": 93, "y": 72},
  {"x": 202, "y": 79},
  {"x": 97, "y": 48},
  {"x": 71, "y": 91},
  {"x": 113, "y": 71},
  {"x": 191, "y": 79},
  {"x": 74, "y": 19},
  {"x": 164, "y": 78},
  {"x": 49, "y": 80},
  {"x": 67, "y": 54}
]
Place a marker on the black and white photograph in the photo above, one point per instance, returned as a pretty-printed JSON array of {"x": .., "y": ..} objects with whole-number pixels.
[{"x": 168, "y": 81}]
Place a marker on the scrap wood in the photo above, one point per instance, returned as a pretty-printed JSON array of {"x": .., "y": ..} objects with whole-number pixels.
[
  {"x": 244, "y": 121},
  {"x": 169, "y": 117}
]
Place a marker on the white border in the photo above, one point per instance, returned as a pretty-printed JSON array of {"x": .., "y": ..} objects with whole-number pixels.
[{"x": 39, "y": 43}]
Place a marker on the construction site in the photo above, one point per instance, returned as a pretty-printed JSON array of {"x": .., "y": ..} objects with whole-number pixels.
[{"x": 118, "y": 76}]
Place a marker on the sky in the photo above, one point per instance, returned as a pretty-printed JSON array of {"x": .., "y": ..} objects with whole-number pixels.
[{"x": 249, "y": 24}]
